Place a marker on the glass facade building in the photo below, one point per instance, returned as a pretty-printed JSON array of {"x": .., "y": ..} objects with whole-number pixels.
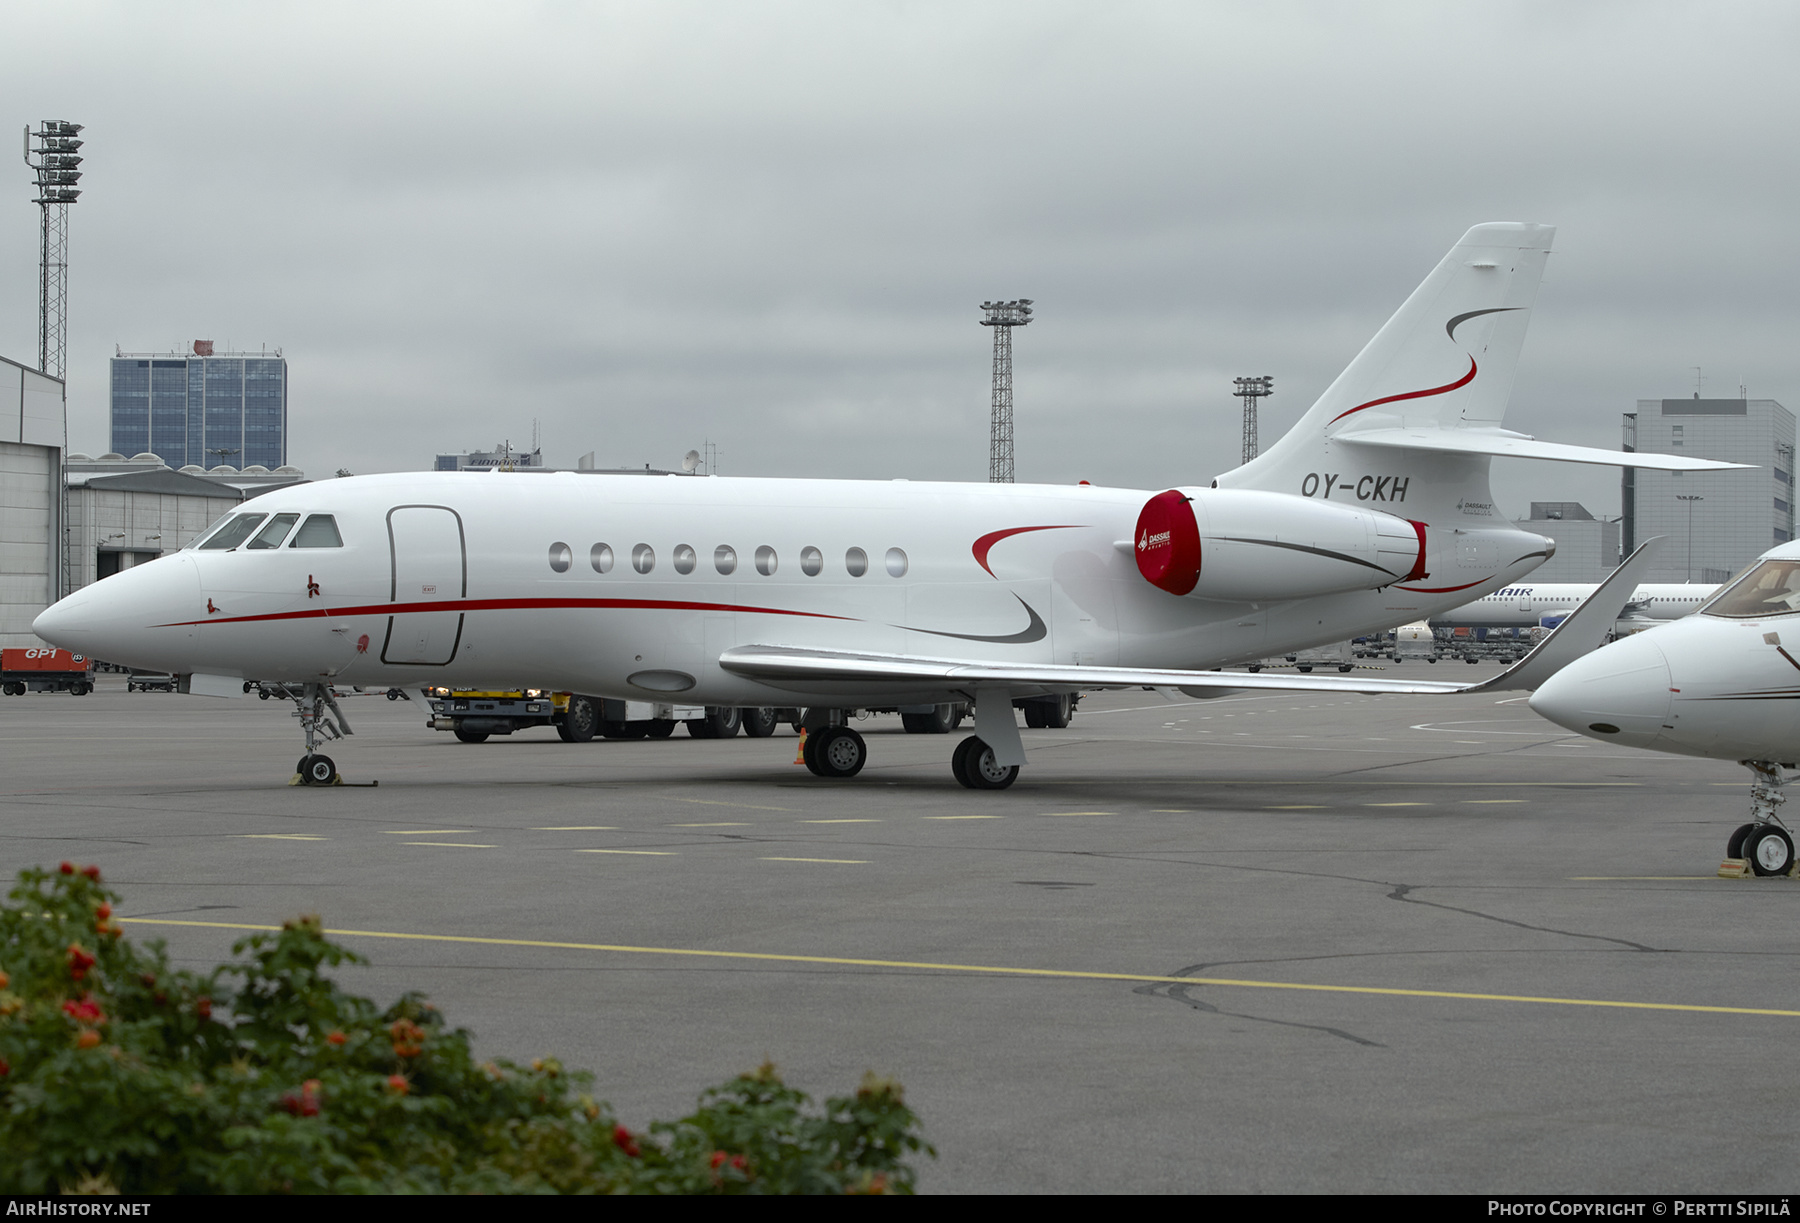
[{"x": 210, "y": 411}]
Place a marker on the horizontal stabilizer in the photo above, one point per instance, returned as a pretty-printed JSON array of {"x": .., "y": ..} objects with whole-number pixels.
[{"x": 1502, "y": 443}]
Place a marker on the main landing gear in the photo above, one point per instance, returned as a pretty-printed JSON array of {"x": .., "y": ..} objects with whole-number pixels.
[
  {"x": 986, "y": 760},
  {"x": 1765, "y": 842},
  {"x": 320, "y": 719}
]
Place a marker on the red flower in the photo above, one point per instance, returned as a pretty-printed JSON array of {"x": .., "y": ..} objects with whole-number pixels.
[
  {"x": 88, "y": 1039},
  {"x": 79, "y": 961},
  {"x": 87, "y": 1011},
  {"x": 5, "y": 1068},
  {"x": 92, "y": 872},
  {"x": 398, "y": 1085},
  {"x": 624, "y": 1141},
  {"x": 305, "y": 1104},
  {"x": 67, "y": 868},
  {"x": 408, "y": 1037},
  {"x": 103, "y": 911},
  {"x": 336, "y": 1038},
  {"x": 203, "y": 1008}
]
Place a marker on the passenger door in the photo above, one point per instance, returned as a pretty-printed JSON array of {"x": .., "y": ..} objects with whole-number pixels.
[{"x": 431, "y": 576}]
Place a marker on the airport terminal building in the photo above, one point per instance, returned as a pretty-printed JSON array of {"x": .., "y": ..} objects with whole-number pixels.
[{"x": 1717, "y": 521}]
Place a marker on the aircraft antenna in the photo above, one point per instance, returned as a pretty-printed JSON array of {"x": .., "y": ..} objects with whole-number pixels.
[
  {"x": 1003, "y": 317},
  {"x": 1250, "y": 390}
]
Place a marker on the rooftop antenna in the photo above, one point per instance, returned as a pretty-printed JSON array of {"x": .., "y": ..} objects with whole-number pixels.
[
  {"x": 1250, "y": 390},
  {"x": 1697, "y": 382},
  {"x": 690, "y": 462},
  {"x": 1003, "y": 317}
]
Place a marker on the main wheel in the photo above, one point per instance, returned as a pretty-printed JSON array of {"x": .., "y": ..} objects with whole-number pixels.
[
  {"x": 1058, "y": 710},
  {"x": 1770, "y": 850},
  {"x": 760, "y": 723},
  {"x": 975, "y": 766},
  {"x": 840, "y": 752},
  {"x": 318, "y": 771},
  {"x": 471, "y": 736},
  {"x": 809, "y": 752},
  {"x": 1734, "y": 845},
  {"x": 580, "y": 720},
  {"x": 1034, "y": 715}
]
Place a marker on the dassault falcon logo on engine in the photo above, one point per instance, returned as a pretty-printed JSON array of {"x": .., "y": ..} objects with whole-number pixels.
[{"x": 1147, "y": 540}]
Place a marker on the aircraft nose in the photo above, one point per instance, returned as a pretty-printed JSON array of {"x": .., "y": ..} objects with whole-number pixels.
[
  {"x": 1617, "y": 694},
  {"x": 125, "y": 618}
]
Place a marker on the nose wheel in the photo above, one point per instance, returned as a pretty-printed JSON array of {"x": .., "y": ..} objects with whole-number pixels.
[
  {"x": 320, "y": 719},
  {"x": 316, "y": 770},
  {"x": 1764, "y": 843}
]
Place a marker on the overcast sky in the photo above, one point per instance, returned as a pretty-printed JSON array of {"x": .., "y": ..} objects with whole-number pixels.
[{"x": 771, "y": 225}]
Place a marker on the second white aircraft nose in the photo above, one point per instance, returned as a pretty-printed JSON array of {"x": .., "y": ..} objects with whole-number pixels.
[{"x": 1619, "y": 693}]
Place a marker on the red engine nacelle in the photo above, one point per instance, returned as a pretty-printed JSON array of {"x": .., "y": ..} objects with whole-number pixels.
[{"x": 1260, "y": 546}]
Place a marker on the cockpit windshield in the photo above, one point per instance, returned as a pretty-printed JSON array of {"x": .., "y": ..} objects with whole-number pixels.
[
  {"x": 272, "y": 535},
  {"x": 1770, "y": 589},
  {"x": 318, "y": 531},
  {"x": 234, "y": 531}
]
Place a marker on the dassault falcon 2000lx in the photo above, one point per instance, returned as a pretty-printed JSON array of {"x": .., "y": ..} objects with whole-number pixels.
[
  {"x": 1721, "y": 683},
  {"x": 1374, "y": 510}
]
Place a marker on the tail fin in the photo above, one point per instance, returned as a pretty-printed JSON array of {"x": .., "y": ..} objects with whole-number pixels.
[{"x": 1444, "y": 361}]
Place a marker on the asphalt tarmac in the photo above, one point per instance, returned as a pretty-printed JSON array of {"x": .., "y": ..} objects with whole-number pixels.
[{"x": 1300, "y": 942}]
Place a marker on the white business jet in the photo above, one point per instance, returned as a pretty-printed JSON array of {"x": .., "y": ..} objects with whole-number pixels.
[
  {"x": 1720, "y": 684},
  {"x": 831, "y": 594}
]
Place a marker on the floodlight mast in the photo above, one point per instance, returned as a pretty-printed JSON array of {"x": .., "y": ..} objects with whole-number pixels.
[
  {"x": 1003, "y": 317},
  {"x": 1250, "y": 390},
  {"x": 57, "y": 171}
]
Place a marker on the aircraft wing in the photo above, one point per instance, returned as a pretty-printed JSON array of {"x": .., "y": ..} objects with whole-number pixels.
[
  {"x": 1582, "y": 631},
  {"x": 1503, "y": 443}
]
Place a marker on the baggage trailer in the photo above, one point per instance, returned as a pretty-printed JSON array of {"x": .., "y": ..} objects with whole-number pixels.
[{"x": 43, "y": 669}]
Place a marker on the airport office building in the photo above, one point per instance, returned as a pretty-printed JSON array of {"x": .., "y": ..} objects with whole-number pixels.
[
  {"x": 201, "y": 409},
  {"x": 1717, "y": 521}
]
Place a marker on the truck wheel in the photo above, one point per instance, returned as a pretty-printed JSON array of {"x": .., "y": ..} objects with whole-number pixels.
[
  {"x": 660, "y": 728},
  {"x": 579, "y": 721},
  {"x": 471, "y": 736},
  {"x": 760, "y": 723}
]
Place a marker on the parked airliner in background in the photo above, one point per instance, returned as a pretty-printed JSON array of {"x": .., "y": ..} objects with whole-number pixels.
[
  {"x": 834, "y": 594},
  {"x": 1544, "y": 604},
  {"x": 1724, "y": 683}
]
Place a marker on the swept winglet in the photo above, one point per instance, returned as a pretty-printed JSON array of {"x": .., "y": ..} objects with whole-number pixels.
[{"x": 1583, "y": 631}]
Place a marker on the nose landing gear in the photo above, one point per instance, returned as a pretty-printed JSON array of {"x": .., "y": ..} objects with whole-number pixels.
[
  {"x": 320, "y": 719},
  {"x": 1765, "y": 843}
]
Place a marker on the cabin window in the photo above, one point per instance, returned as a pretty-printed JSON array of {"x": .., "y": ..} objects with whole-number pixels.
[
  {"x": 643, "y": 558},
  {"x": 896, "y": 563},
  {"x": 812, "y": 561},
  {"x": 234, "y": 532},
  {"x": 725, "y": 558},
  {"x": 560, "y": 557},
  {"x": 857, "y": 562},
  {"x": 685, "y": 558},
  {"x": 318, "y": 531},
  {"x": 272, "y": 535},
  {"x": 766, "y": 560},
  {"x": 601, "y": 558}
]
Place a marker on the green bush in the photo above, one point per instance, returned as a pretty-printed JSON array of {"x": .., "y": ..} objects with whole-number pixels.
[{"x": 118, "y": 1073}]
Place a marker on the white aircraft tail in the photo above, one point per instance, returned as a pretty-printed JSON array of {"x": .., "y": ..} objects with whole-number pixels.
[{"x": 1409, "y": 426}]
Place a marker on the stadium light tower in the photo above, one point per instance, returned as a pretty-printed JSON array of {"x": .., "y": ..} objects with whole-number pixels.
[
  {"x": 1003, "y": 317},
  {"x": 57, "y": 170}
]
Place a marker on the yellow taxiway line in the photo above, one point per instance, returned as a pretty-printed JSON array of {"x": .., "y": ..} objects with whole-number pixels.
[{"x": 998, "y": 970}]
